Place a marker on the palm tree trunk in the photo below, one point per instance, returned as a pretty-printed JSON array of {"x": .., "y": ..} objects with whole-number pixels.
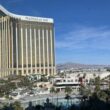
[
  {"x": 52, "y": 98},
  {"x": 57, "y": 99}
]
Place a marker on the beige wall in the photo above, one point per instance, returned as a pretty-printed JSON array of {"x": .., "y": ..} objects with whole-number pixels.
[{"x": 26, "y": 48}]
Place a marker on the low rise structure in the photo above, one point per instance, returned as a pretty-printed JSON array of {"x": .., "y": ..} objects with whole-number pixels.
[{"x": 76, "y": 79}]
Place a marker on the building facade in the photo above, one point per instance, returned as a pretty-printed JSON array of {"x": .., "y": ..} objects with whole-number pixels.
[{"x": 26, "y": 44}]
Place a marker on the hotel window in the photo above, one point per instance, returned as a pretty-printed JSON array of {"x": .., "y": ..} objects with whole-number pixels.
[
  {"x": 29, "y": 71},
  {"x": 76, "y": 80},
  {"x": 20, "y": 72},
  {"x": 24, "y": 71},
  {"x": 33, "y": 71},
  {"x": 68, "y": 80}
]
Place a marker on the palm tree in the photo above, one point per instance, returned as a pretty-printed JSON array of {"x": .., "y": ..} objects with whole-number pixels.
[
  {"x": 68, "y": 97},
  {"x": 52, "y": 90},
  {"x": 68, "y": 91},
  {"x": 57, "y": 91}
]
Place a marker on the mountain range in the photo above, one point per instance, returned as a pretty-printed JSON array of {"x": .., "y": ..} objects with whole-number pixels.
[{"x": 70, "y": 65}]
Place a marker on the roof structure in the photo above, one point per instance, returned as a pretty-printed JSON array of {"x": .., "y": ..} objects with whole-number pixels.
[{"x": 25, "y": 18}]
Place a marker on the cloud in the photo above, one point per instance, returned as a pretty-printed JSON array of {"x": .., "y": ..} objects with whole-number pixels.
[{"x": 86, "y": 38}]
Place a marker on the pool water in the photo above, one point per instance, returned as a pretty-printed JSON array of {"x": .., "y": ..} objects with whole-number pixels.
[{"x": 55, "y": 101}]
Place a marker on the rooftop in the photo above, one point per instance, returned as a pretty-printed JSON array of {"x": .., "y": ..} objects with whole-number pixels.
[{"x": 25, "y": 18}]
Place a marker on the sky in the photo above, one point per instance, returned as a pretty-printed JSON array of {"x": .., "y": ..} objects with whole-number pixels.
[{"x": 82, "y": 27}]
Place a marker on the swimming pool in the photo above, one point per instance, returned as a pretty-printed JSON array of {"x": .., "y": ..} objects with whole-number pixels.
[{"x": 56, "y": 101}]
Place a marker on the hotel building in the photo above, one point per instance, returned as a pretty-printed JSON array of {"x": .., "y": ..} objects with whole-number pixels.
[{"x": 26, "y": 45}]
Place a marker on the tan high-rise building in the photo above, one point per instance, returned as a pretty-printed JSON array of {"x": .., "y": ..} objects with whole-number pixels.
[{"x": 26, "y": 44}]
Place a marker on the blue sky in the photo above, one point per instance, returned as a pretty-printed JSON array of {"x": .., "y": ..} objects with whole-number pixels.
[{"x": 82, "y": 27}]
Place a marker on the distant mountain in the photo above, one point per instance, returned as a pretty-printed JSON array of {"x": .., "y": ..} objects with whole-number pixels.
[{"x": 77, "y": 65}]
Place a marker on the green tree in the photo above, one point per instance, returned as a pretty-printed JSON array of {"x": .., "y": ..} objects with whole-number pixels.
[
  {"x": 17, "y": 106},
  {"x": 109, "y": 82},
  {"x": 85, "y": 92},
  {"x": 25, "y": 82},
  {"x": 44, "y": 78},
  {"x": 82, "y": 90},
  {"x": 102, "y": 95},
  {"x": 6, "y": 88},
  {"x": 68, "y": 90},
  {"x": 97, "y": 85},
  {"x": 108, "y": 69}
]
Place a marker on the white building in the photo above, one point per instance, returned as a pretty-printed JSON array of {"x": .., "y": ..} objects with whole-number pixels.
[{"x": 76, "y": 79}]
